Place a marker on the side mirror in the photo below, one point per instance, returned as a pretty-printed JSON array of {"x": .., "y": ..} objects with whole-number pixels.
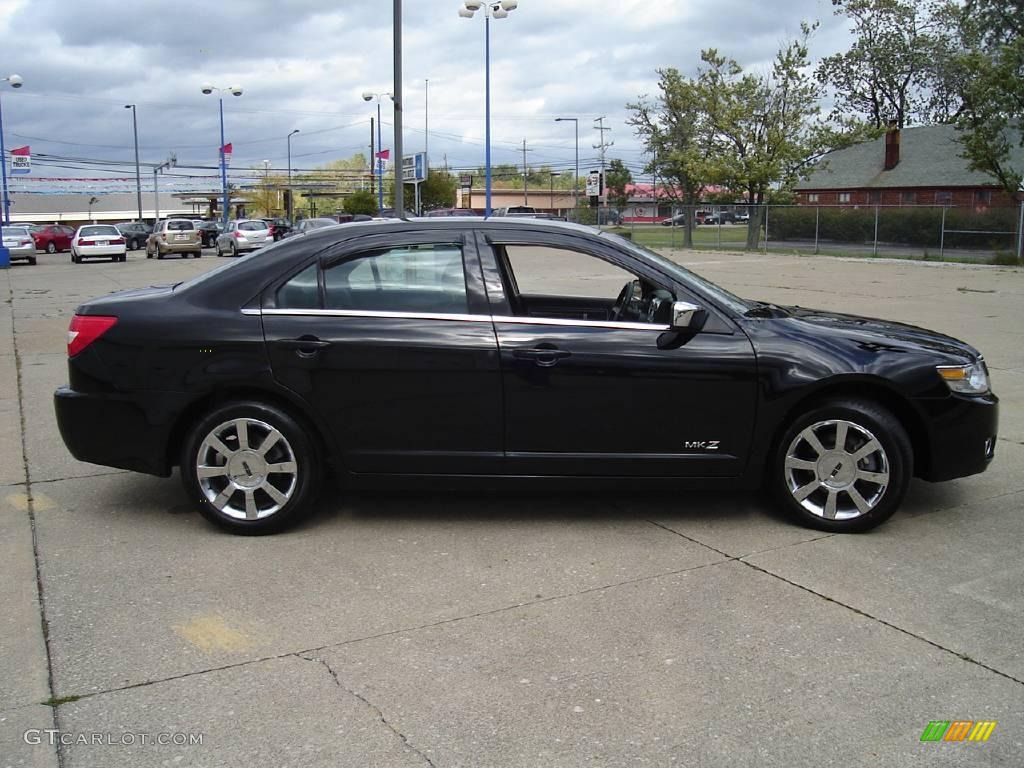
[{"x": 687, "y": 316}]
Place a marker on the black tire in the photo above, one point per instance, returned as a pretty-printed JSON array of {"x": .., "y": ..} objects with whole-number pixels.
[
  {"x": 74, "y": 258},
  {"x": 51, "y": 247},
  {"x": 197, "y": 254},
  {"x": 220, "y": 253},
  {"x": 159, "y": 253},
  {"x": 134, "y": 244},
  {"x": 31, "y": 261},
  {"x": 863, "y": 420},
  {"x": 234, "y": 251},
  {"x": 295, "y": 444}
]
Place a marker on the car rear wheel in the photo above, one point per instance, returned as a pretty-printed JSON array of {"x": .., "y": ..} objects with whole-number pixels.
[
  {"x": 234, "y": 250},
  {"x": 251, "y": 468},
  {"x": 51, "y": 247},
  {"x": 843, "y": 466},
  {"x": 133, "y": 244}
]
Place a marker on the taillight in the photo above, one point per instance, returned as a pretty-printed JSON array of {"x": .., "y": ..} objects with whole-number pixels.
[
  {"x": 87, "y": 242},
  {"x": 85, "y": 329},
  {"x": 237, "y": 234},
  {"x": 26, "y": 242},
  {"x": 117, "y": 241}
]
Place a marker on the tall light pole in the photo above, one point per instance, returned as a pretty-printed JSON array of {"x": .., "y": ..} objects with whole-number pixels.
[
  {"x": 499, "y": 10},
  {"x": 575, "y": 179},
  {"x": 234, "y": 90},
  {"x": 5, "y": 218},
  {"x": 290, "y": 193},
  {"x": 370, "y": 96},
  {"x": 138, "y": 172}
]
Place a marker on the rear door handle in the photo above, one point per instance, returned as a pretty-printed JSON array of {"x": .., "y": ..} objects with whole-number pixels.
[
  {"x": 541, "y": 356},
  {"x": 304, "y": 346}
]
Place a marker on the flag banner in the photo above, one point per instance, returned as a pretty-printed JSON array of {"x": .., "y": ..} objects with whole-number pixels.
[
  {"x": 384, "y": 154},
  {"x": 226, "y": 150},
  {"x": 21, "y": 161}
]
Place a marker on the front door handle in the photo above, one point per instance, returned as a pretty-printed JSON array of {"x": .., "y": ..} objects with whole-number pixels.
[
  {"x": 542, "y": 356},
  {"x": 304, "y": 346}
]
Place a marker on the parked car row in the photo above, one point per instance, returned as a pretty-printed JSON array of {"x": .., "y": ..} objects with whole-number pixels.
[{"x": 708, "y": 217}]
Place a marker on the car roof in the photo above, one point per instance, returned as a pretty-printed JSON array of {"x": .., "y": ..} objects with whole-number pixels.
[{"x": 500, "y": 223}]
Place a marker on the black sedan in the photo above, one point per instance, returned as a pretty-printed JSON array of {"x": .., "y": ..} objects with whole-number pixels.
[{"x": 481, "y": 351}]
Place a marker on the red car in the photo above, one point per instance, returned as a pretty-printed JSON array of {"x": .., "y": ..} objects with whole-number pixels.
[{"x": 52, "y": 238}]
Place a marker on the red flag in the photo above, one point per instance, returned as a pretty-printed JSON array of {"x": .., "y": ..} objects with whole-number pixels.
[
  {"x": 384, "y": 154},
  {"x": 226, "y": 149}
]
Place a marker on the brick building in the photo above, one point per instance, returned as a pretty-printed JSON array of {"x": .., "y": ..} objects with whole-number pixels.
[{"x": 916, "y": 166}]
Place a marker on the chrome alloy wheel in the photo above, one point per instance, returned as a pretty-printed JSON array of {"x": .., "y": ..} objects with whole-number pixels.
[
  {"x": 246, "y": 469},
  {"x": 837, "y": 470}
]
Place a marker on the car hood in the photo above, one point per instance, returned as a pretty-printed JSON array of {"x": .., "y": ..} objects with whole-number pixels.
[{"x": 880, "y": 335}]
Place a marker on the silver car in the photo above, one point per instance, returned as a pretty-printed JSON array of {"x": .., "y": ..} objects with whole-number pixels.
[
  {"x": 18, "y": 240},
  {"x": 243, "y": 235}
]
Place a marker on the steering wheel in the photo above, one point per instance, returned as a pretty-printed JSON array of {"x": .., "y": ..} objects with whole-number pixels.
[{"x": 625, "y": 296}]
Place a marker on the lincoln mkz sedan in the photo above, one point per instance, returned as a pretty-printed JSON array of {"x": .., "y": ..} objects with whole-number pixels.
[{"x": 539, "y": 354}]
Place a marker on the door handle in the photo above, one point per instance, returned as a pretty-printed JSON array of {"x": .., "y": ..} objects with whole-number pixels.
[
  {"x": 304, "y": 346},
  {"x": 541, "y": 356}
]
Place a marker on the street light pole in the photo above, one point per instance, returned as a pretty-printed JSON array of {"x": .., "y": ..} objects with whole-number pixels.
[
  {"x": 138, "y": 172},
  {"x": 235, "y": 90},
  {"x": 397, "y": 89},
  {"x": 576, "y": 179},
  {"x": 370, "y": 96},
  {"x": 5, "y": 215},
  {"x": 290, "y": 192},
  {"x": 498, "y": 10}
]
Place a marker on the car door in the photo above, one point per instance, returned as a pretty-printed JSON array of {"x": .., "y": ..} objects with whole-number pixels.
[
  {"x": 589, "y": 394},
  {"x": 389, "y": 339}
]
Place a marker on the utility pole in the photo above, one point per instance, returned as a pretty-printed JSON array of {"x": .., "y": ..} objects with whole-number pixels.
[
  {"x": 373, "y": 161},
  {"x": 426, "y": 119},
  {"x": 171, "y": 162},
  {"x": 602, "y": 146},
  {"x": 526, "y": 173}
]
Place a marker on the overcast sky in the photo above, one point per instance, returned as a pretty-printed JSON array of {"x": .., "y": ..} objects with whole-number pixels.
[{"x": 304, "y": 64}]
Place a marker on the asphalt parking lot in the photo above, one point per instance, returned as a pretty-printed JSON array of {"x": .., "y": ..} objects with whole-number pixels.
[{"x": 532, "y": 630}]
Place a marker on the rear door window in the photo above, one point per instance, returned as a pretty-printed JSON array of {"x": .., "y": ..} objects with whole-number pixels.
[{"x": 180, "y": 224}]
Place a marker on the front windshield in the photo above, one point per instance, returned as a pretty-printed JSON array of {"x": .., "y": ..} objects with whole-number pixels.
[{"x": 714, "y": 292}]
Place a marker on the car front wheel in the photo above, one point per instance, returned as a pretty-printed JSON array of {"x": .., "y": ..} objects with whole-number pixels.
[
  {"x": 843, "y": 466},
  {"x": 251, "y": 468}
]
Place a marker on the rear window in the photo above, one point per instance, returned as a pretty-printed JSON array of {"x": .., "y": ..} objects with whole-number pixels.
[
  {"x": 251, "y": 226},
  {"x": 180, "y": 225},
  {"x": 16, "y": 231},
  {"x": 96, "y": 231}
]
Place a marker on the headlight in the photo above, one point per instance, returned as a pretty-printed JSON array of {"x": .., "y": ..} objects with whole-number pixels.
[{"x": 966, "y": 379}]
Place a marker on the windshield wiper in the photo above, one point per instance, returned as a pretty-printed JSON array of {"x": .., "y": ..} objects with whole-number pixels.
[{"x": 764, "y": 309}]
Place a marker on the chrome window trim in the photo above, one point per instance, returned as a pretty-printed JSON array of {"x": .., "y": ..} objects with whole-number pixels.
[
  {"x": 556, "y": 321},
  {"x": 562, "y": 321},
  {"x": 374, "y": 313}
]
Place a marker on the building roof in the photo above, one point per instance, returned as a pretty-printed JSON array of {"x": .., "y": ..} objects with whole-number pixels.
[{"x": 929, "y": 157}]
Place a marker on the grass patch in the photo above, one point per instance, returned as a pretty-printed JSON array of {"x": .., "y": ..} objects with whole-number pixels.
[{"x": 56, "y": 701}]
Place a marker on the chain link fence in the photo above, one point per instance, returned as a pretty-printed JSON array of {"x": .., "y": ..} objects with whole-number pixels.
[{"x": 941, "y": 233}]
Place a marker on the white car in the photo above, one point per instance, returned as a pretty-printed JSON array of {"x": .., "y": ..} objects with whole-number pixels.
[
  {"x": 243, "y": 235},
  {"x": 95, "y": 240}
]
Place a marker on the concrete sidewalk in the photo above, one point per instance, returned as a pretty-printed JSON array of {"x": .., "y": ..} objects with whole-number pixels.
[{"x": 525, "y": 630}]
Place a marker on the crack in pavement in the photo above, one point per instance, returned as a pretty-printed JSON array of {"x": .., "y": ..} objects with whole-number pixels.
[
  {"x": 398, "y": 631},
  {"x": 370, "y": 705},
  {"x": 30, "y": 503},
  {"x": 858, "y": 611}
]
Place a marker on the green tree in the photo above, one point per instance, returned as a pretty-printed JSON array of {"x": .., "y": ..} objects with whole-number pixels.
[
  {"x": 990, "y": 73},
  {"x": 437, "y": 190},
  {"x": 763, "y": 129},
  {"x": 617, "y": 178},
  {"x": 362, "y": 201},
  {"x": 888, "y": 74},
  {"x": 674, "y": 129}
]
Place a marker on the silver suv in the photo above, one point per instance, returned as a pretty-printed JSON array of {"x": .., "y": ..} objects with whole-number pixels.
[{"x": 174, "y": 236}]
